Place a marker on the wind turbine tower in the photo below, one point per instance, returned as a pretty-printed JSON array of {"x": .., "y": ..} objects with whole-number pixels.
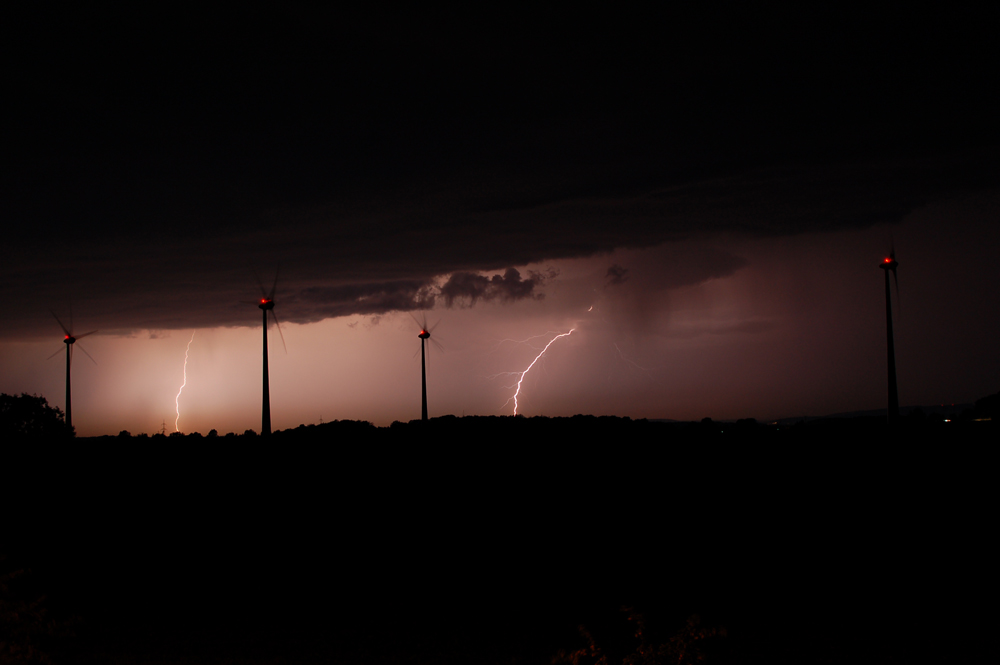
[
  {"x": 888, "y": 264},
  {"x": 424, "y": 336},
  {"x": 69, "y": 341},
  {"x": 266, "y": 305}
]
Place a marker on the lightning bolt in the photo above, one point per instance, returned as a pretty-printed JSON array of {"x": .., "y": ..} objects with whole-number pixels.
[
  {"x": 177, "y": 400},
  {"x": 630, "y": 362},
  {"x": 521, "y": 378},
  {"x": 527, "y": 341}
]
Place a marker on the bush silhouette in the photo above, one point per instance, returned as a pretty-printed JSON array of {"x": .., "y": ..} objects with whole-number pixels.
[
  {"x": 684, "y": 647},
  {"x": 27, "y": 633}
]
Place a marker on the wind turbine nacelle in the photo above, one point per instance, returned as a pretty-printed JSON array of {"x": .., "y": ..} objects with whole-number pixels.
[
  {"x": 69, "y": 339},
  {"x": 888, "y": 264},
  {"x": 266, "y": 304},
  {"x": 424, "y": 334}
]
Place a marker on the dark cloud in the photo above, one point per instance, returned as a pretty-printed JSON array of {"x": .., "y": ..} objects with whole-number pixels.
[
  {"x": 144, "y": 171},
  {"x": 672, "y": 266},
  {"x": 318, "y": 303},
  {"x": 643, "y": 302},
  {"x": 691, "y": 330},
  {"x": 467, "y": 289},
  {"x": 355, "y": 257},
  {"x": 616, "y": 275},
  {"x": 461, "y": 288}
]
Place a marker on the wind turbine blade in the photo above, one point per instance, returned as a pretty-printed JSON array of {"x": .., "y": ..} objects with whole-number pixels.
[
  {"x": 71, "y": 354},
  {"x": 86, "y": 354},
  {"x": 263, "y": 293},
  {"x": 422, "y": 322},
  {"x": 71, "y": 317},
  {"x": 274, "y": 286},
  {"x": 54, "y": 354},
  {"x": 437, "y": 345},
  {"x": 85, "y": 334},
  {"x": 899, "y": 305},
  {"x": 65, "y": 329},
  {"x": 278, "y": 326}
]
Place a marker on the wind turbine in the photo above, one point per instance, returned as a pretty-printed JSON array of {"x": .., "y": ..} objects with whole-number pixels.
[
  {"x": 425, "y": 336},
  {"x": 890, "y": 263},
  {"x": 69, "y": 341},
  {"x": 266, "y": 305}
]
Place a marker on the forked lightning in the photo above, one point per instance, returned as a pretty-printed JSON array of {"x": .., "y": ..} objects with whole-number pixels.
[{"x": 522, "y": 374}]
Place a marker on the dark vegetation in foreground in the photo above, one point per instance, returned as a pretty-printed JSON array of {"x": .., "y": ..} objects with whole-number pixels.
[
  {"x": 612, "y": 429},
  {"x": 30, "y": 417},
  {"x": 493, "y": 540}
]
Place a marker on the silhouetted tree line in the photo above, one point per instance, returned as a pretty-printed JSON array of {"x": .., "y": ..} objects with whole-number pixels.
[
  {"x": 473, "y": 430},
  {"x": 30, "y": 416}
]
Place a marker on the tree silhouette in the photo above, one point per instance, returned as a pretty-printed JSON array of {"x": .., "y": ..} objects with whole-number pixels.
[{"x": 30, "y": 416}]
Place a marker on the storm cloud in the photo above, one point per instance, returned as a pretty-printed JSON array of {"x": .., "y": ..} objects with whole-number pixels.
[
  {"x": 459, "y": 289},
  {"x": 145, "y": 188},
  {"x": 470, "y": 288},
  {"x": 318, "y": 303},
  {"x": 616, "y": 275}
]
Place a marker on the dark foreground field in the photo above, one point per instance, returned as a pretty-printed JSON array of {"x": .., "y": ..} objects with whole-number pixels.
[{"x": 492, "y": 540}]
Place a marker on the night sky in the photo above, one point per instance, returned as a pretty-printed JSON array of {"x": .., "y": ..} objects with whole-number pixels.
[{"x": 702, "y": 197}]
